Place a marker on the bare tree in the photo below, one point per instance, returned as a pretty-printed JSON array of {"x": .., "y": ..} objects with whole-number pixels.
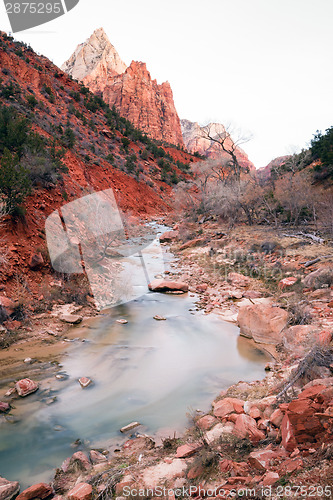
[{"x": 229, "y": 141}]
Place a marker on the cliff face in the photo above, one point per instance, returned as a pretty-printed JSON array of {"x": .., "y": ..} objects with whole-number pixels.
[
  {"x": 131, "y": 90},
  {"x": 146, "y": 104},
  {"x": 194, "y": 140},
  {"x": 94, "y": 62}
]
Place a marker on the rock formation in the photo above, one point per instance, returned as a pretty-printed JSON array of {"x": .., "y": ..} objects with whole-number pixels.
[
  {"x": 194, "y": 139},
  {"x": 137, "y": 97},
  {"x": 94, "y": 62}
]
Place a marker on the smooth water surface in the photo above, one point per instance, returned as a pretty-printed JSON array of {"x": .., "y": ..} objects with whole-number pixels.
[{"x": 149, "y": 371}]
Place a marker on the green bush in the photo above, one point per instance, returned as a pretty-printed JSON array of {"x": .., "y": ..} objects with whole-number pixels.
[{"x": 15, "y": 183}]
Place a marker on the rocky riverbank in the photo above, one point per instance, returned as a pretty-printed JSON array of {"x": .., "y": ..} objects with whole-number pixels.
[{"x": 275, "y": 433}]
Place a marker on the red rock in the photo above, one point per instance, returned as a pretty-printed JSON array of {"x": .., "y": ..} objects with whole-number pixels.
[
  {"x": 4, "y": 407},
  {"x": 202, "y": 287},
  {"x": 235, "y": 468},
  {"x": 246, "y": 427},
  {"x": 226, "y": 406},
  {"x": 276, "y": 417},
  {"x": 36, "y": 261},
  {"x": 287, "y": 432},
  {"x": 161, "y": 285},
  {"x": 255, "y": 413},
  {"x": 40, "y": 490},
  {"x": 324, "y": 338},
  {"x": 25, "y": 387},
  {"x": 8, "y": 489},
  {"x": 82, "y": 491},
  {"x": 81, "y": 460},
  {"x": 262, "y": 322},
  {"x": 8, "y": 305},
  {"x": 287, "y": 282},
  {"x": 262, "y": 459},
  {"x": 237, "y": 279},
  {"x": 187, "y": 450},
  {"x": 195, "y": 472},
  {"x": 270, "y": 478},
  {"x": 168, "y": 236},
  {"x": 311, "y": 392},
  {"x": 205, "y": 423},
  {"x": 84, "y": 382},
  {"x": 96, "y": 457},
  {"x": 120, "y": 487},
  {"x": 290, "y": 465},
  {"x": 300, "y": 406},
  {"x": 192, "y": 243}
]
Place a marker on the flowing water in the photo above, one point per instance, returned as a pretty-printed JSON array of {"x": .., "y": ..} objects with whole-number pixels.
[{"x": 149, "y": 371}]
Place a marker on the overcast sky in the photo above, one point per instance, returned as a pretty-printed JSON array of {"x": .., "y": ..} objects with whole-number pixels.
[{"x": 264, "y": 65}]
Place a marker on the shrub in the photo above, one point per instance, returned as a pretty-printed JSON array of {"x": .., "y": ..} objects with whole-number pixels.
[
  {"x": 32, "y": 101},
  {"x": 14, "y": 182},
  {"x": 125, "y": 142}
]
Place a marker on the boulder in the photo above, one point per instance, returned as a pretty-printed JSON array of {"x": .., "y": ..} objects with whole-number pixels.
[
  {"x": 276, "y": 417},
  {"x": 287, "y": 282},
  {"x": 187, "y": 450},
  {"x": 73, "y": 319},
  {"x": 218, "y": 431},
  {"x": 168, "y": 236},
  {"x": 79, "y": 460},
  {"x": 161, "y": 285},
  {"x": 8, "y": 489},
  {"x": 84, "y": 382},
  {"x": 227, "y": 406},
  {"x": 290, "y": 465},
  {"x": 82, "y": 491},
  {"x": 237, "y": 279},
  {"x": 40, "y": 490},
  {"x": 192, "y": 243},
  {"x": 270, "y": 478},
  {"x": 205, "y": 423},
  {"x": 25, "y": 387},
  {"x": 287, "y": 432},
  {"x": 201, "y": 287},
  {"x": 4, "y": 407},
  {"x": 298, "y": 338},
  {"x": 8, "y": 305},
  {"x": 246, "y": 427},
  {"x": 318, "y": 278},
  {"x": 36, "y": 261},
  {"x": 262, "y": 322},
  {"x": 262, "y": 459},
  {"x": 96, "y": 457}
]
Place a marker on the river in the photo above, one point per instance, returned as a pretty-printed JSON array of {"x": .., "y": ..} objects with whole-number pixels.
[{"x": 154, "y": 372}]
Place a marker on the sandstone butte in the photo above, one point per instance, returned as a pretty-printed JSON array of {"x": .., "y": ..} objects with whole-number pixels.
[{"x": 137, "y": 97}]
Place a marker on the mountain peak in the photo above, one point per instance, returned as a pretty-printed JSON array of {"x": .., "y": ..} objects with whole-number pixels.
[{"x": 95, "y": 59}]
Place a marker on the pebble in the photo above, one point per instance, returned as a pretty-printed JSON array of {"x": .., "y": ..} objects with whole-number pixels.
[
  {"x": 159, "y": 318},
  {"x": 122, "y": 321}
]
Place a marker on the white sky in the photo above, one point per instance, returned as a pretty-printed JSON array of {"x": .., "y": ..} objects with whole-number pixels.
[{"x": 264, "y": 65}]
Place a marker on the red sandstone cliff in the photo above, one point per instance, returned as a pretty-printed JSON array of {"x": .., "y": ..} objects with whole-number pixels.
[
  {"x": 148, "y": 105},
  {"x": 195, "y": 140}
]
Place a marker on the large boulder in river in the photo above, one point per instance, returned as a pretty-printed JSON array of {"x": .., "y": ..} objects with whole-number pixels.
[
  {"x": 161, "y": 285},
  {"x": 25, "y": 387},
  {"x": 40, "y": 490},
  {"x": 262, "y": 322},
  {"x": 8, "y": 489},
  {"x": 168, "y": 236}
]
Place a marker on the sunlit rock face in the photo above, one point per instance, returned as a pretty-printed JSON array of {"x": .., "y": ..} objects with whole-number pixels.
[{"x": 137, "y": 97}]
